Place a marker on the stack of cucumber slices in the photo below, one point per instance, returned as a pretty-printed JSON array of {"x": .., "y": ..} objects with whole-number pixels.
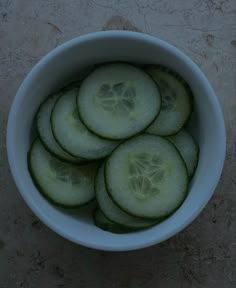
[{"x": 117, "y": 137}]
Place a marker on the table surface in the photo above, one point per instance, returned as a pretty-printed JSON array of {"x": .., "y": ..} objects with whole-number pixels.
[{"x": 204, "y": 254}]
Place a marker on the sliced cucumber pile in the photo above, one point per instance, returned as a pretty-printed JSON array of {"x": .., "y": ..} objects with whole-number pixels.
[
  {"x": 176, "y": 101},
  {"x": 129, "y": 122}
]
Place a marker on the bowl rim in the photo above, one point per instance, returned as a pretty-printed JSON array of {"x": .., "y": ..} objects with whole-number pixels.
[{"x": 76, "y": 41}]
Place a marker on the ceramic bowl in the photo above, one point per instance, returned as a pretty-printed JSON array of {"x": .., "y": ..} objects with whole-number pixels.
[{"x": 71, "y": 60}]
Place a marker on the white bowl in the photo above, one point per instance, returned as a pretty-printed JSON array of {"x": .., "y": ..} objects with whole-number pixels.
[{"x": 70, "y": 60}]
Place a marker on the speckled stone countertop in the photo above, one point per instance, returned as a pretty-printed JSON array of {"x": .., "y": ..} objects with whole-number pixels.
[{"x": 204, "y": 254}]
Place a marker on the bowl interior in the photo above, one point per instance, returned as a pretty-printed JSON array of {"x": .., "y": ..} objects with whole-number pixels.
[{"x": 71, "y": 61}]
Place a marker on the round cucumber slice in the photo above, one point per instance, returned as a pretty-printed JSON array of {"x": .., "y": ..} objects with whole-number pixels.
[
  {"x": 176, "y": 101},
  {"x": 102, "y": 222},
  {"x": 112, "y": 211},
  {"x": 147, "y": 177},
  {"x": 71, "y": 133},
  {"x": 117, "y": 101},
  {"x": 188, "y": 148},
  {"x": 71, "y": 85},
  {"x": 63, "y": 183},
  {"x": 44, "y": 129}
]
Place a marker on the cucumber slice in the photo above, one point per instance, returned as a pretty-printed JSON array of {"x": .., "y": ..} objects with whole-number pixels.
[
  {"x": 71, "y": 133},
  {"x": 117, "y": 101},
  {"x": 188, "y": 148},
  {"x": 112, "y": 211},
  {"x": 176, "y": 101},
  {"x": 63, "y": 183},
  {"x": 147, "y": 177},
  {"x": 102, "y": 222},
  {"x": 43, "y": 124},
  {"x": 72, "y": 85}
]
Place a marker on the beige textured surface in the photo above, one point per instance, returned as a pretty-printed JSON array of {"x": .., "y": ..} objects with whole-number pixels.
[{"x": 204, "y": 254}]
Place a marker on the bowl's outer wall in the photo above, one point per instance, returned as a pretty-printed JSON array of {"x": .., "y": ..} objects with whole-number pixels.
[{"x": 70, "y": 61}]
